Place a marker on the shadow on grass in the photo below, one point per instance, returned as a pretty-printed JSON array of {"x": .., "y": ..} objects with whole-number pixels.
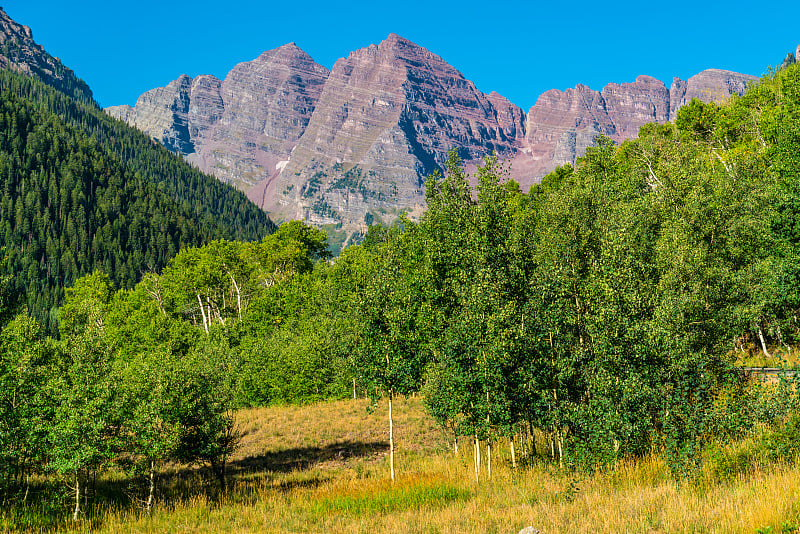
[
  {"x": 182, "y": 484},
  {"x": 303, "y": 458}
]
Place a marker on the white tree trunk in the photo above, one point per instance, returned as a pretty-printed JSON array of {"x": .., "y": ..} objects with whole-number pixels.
[
  {"x": 202, "y": 312},
  {"x": 391, "y": 437},
  {"x": 152, "y": 486},
  {"x": 488, "y": 441},
  {"x": 530, "y": 446},
  {"x": 763, "y": 342},
  {"x": 477, "y": 459},
  {"x": 780, "y": 340},
  {"x": 77, "y": 496},
  {"x": 238, "y": 296},
  {"x": 489, "y": 458},
  {"x": 513, "y": 453},
  {"x": 208, "y": 307}
]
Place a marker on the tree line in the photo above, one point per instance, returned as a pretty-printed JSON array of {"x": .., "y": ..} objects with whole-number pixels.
[
  {"x": 603, "y": 309},
  {"x": 144, "y": 376}
]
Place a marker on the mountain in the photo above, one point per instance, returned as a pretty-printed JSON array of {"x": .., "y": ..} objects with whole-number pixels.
[
  {"x": 239, "y": 128},
  {"x": 563, "y": 124},
  {"x": 19, "y": 52},
  {"x": 353, "y": 146},
  {"x": 383, "y": 119},
  {"x": 386, "y": 118}
]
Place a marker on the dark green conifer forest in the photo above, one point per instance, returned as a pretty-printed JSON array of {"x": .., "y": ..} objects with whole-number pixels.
[{"x": 82, "y": 191}]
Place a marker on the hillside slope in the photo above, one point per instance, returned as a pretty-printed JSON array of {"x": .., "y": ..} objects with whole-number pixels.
[
  {"x": 20, "y": 53},
  {"x": 70, "y": 206},
  {"x": 84, "y": 191}
]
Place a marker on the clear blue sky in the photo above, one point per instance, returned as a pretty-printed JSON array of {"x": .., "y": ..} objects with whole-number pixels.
[{"x": 519, "y": 49}]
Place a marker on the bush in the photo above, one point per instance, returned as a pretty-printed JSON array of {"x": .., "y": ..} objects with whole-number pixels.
[{"x": 779, "y": 444}]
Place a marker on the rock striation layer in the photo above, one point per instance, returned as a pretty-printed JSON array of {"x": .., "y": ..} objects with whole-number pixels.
[
  {"x": 387, "y": 117},
  {"x": 563, "y": 124},
  {"x": 163, "y": 113},
  {"x": 239, "y": 129},
  {"x": 18, "y": 51},
  {"x": 344, "y": 148}
]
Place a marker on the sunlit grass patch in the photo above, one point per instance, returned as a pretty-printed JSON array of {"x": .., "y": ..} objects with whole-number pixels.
[
  {"x": 391, "y": 499},
  {"x": 780, "y": 357},
  {"x": 273, "y": 491}
]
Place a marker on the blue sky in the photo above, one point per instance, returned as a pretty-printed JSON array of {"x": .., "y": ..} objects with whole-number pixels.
[{"x": 519, "y": 49}]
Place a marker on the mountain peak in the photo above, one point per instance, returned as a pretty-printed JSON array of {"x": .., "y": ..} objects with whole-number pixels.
[
  {"x": 291, "y": 48},
  {"x": 26, "y": 56},
  {"x": 393, "y": 37},
  {"x": 289, "y": 52},
  {"x": 354, "y": 144},
  {"x": 394, "y": 41}
]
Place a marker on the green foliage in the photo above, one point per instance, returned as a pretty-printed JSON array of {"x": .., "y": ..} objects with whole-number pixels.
[
  {"x": 600, "y": 308},
  {"x": 390, "y": 355},
  {"x": 779, "y": 443},
  {"x": 24, "y": 410},
  {"x": 697, "y": 118},
  {"x": 202, "y": 412},
  {"x": 286, "y": 333},
  {"x": 220, "y": 208},
  {"x": 82, "y": 192}
]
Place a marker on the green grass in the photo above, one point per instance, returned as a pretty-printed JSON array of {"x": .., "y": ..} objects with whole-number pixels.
[
  {"x": 324, "y": 468},
  {"x": 392, "y": 500}
]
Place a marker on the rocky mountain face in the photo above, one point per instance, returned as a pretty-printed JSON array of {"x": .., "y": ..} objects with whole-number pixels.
[
  {"x": 239, "y": 129},
  {"x": 344, "y": 148},
  {"x": 19, "y": 52},
  {"x": 386, "y": 118},
  {"x": 563, "y": 124}
]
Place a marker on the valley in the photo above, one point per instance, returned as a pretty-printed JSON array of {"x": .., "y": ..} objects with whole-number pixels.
[{"x": 396, "y": 303}]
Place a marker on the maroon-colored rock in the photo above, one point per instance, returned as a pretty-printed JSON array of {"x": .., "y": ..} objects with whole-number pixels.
[
  {"x": 354, "y": 145},
  {"x": 239, "y": 129},
  {"x": 563, "y": 124},
  {"x": 387, "y": 117}
]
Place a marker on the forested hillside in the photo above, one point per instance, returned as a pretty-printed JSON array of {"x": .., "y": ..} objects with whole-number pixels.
[
  {"x": 72, "y": 205},
  {"x": 212, "y": 203}
]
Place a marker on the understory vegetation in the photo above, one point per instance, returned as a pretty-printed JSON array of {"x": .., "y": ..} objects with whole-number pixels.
[
  {"x": 576, "y": 344},
  {"x": 295, "y": 472}
]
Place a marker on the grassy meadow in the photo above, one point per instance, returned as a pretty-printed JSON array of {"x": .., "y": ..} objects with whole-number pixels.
[{"x": 324, "y": 468}]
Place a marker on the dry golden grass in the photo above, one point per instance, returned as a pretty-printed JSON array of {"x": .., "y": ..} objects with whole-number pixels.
[
  {"x": 323, "y": 468},
  {"x": 780, "y": 357}
]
